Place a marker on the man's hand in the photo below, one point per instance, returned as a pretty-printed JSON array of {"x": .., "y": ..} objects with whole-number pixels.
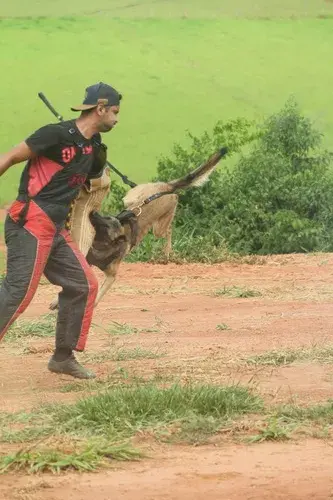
[{"x": 19, "y": 153}]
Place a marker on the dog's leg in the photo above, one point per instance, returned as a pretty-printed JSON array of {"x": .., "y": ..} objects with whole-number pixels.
[
  {"x": 110, "y": 277},
  {"x": 163, "y": 227},
  {"x": 168, "y": 245}
]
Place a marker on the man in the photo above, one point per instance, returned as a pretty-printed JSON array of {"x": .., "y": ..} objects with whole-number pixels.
[{"x": 61, "y": 158}]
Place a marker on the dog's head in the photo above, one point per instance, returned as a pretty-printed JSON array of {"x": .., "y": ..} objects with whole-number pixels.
[
  {"x": 108, "y": 230},
  {"x": 129, "y": 221},
  {"x": 114, "y": 237}
]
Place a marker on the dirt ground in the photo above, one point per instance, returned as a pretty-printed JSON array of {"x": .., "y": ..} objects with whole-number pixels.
[{"x": 177, "y": 310}]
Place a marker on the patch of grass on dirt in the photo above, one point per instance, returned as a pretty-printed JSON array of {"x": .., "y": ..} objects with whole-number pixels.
[
  {"x": 197, "y": 429},
  {"x": 118, "y": 329},
  {"x": 237, "y": 292},
  {"x": 20, "y": 417},
  {"x": 28, "y": 434},
  {"x": 122, "y": 329},
  {"x": 123, "y": 354},
  {"x": 136, "y": 353},
  {"x": 41, "y": 327},
  {"x": 320, "y": 354},
  {"x": 222, "y": 326},
  {"x": 89, "y": 385},
  {"x": 273, "y": 430},
  {"x": 315, "y": 420},
  {"x": 88, "y": 458},
  {"x": 115, "y": 416},
  {"x": 118, "y": 377},
  {"x": 125, "y": 410},
  {"x": 319, "y": 413}
]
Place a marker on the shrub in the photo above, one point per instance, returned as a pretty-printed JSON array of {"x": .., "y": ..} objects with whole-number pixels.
[{"x": 278, "y": 198}]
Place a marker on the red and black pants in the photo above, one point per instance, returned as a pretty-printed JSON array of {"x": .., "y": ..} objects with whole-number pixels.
[{"x": 40, "y": 248}]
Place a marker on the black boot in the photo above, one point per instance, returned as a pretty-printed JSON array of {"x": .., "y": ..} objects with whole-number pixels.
[{"x": 65, "y": 363}]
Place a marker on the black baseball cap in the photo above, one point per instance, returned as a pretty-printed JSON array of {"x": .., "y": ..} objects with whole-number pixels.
[{"x": 99, "y": 93}]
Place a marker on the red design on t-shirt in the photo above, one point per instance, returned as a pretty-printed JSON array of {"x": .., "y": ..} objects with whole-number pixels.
[
  {"x": 68, "y": 154},
  {"x": 41, "y": 172},
  {"x": 77, "y": 180}
]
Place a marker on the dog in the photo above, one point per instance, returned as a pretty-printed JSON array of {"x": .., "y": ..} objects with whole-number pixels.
[
  {"x": 150, "y": 206},
  {"x": 111, "y": 247}
]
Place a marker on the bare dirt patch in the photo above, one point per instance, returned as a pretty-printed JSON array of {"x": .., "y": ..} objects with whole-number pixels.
[
  {"x": 175, "y": 311},
  {"x": 268, "y": 471}
]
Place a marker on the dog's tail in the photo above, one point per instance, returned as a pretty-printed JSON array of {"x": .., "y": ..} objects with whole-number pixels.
[{"x": 200, "y": 175}]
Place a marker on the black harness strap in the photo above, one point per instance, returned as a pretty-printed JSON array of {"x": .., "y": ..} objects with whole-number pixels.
[
  {"x": 76, "y": 137},
  {"x": 155, "y": 197},
  {"x": 124, "y": 178},
  {"x": 149, "y": 200}
]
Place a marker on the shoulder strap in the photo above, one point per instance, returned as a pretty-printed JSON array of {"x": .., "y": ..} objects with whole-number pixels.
[{"x": 76, "y": 137}]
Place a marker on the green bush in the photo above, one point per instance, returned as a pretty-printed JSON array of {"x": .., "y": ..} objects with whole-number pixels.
[
  {"x": 277, "y": 198},
  {"x": 199, "y": 204}
]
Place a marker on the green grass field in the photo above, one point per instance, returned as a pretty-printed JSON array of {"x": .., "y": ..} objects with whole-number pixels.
[
  {"x": 170, "y": 8},
  {"x": 178, "y": 68}
]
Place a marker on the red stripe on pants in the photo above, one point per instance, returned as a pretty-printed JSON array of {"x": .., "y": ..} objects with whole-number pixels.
[
  {"x": 42, "y": 228},
  {"x": 93, "y": 289}
]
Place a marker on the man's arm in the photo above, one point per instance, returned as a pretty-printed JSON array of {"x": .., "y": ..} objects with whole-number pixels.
[{"x": 19, "y": 153}]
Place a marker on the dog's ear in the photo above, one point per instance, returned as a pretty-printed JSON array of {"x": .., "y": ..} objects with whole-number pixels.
[
  {"x": 97, "y": 220},
  {"x": 126, "y": 216}
]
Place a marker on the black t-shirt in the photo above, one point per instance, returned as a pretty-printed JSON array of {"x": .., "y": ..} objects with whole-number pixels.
[{"x": 63, "y": 163}]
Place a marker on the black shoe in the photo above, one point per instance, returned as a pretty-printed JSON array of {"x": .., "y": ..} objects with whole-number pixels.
[{"x": 70, "y": 366}]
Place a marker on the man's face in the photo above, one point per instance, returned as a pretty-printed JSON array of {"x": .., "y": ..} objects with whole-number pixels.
[{"x": 108, "y": 117}]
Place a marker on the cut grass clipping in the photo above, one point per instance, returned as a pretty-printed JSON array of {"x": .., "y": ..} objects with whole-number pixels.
[
  {"x": 237, "y": 292},
  {"x": 119, "y": 413},
  {"x": 320, "y": 354},
  {"x": 42, "y": 327},
  {"x": 222, "y": 326}
]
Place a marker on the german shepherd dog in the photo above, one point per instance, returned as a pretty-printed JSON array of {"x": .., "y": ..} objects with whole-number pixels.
[{"x": 116, "y": 236}]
